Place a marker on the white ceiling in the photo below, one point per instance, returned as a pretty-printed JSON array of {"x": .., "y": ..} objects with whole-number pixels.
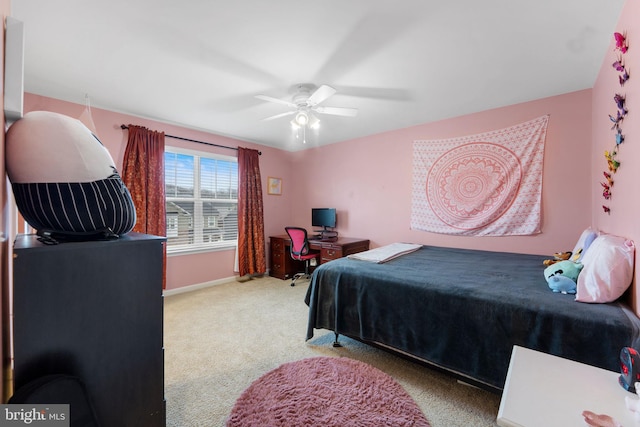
[{"x": 200, "y": 63}]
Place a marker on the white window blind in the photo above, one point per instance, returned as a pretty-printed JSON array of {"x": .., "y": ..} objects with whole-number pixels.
[{"x": 201, "y": 191}]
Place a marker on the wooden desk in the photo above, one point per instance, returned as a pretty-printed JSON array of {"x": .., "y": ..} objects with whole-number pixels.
[
  {"x": 282, "y": 266},
  {"x": 549, "y": 391}
]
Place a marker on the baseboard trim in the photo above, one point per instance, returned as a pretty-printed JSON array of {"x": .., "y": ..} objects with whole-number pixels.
[{"x": 197, "y": 286}]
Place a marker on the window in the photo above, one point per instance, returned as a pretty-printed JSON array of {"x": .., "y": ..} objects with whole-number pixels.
[{"x": 201, "y": 191}]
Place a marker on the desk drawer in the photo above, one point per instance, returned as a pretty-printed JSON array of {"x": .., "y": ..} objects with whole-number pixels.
[
  {"x": 277, "y": 262},
  {"x": 330, "y": 253},
  {"x": 277, "y": 246},
  {"x": 355, "y": 248},
  {"x": 278, "y": 259}
]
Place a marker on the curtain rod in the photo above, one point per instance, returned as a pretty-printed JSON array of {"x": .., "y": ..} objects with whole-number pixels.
[{"x": 196, "y": 141}]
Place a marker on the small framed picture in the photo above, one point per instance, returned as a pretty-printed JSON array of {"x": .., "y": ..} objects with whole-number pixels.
[{"x": 274, "y": 186}]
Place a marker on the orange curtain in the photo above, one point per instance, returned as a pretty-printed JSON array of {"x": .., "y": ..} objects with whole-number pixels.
[
  {"x": 251, "y": 245},
  {"x": 143, "y": 174}
]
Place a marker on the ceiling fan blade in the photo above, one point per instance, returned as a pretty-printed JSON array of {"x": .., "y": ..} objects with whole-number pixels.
[
  {"x": 337, "y": 111},
  {"x": 277, "y": 116},
  {"x": 276, "y": 100},
  {"x": 320, "y": 95}
]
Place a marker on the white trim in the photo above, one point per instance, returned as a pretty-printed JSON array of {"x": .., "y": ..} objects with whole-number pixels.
[
  {"x": 199, "y": 153},
  {"x": 228, "y": 245},
  {"x": 13, "y": 70},
  {"x": 197, "y": 286}
]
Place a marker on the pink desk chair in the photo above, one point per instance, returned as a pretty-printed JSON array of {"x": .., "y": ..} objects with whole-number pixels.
[{"x": 300, "y": 251}]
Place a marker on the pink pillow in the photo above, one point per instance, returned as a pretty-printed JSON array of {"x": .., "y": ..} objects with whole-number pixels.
[{"x": 608, "y": 269}]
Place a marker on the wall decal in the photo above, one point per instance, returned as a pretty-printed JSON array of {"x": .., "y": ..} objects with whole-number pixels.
[
  {"x": 619, "y": 100},
  {"x": 616, "y": 120},
  {"x": 622, "y": 46},
  {"x": 618, "y": 65},
  {"x": 621, "y": 42},
  {"x": 606, "y": 191},
  {"x": 612, "y": 163}
]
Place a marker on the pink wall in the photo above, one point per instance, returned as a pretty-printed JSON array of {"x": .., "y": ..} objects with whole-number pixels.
[
  {"x": 184, "y": 270},
  {"x": 624, "y": 219},
  {"x": 369, "y": 179}
]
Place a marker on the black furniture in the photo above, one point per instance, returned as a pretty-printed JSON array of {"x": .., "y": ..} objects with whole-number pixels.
[{"x": 94, "y": 310}]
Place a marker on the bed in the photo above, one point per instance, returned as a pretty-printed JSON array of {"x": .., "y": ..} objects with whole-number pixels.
[{"x": 463, "y": 310}]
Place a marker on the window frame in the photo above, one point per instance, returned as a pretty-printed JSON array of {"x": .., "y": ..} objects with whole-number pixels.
[{"x": 198, "y": 201}]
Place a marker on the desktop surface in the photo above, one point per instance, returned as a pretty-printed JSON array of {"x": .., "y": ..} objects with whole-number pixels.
[{"x": 320, "y": 238}]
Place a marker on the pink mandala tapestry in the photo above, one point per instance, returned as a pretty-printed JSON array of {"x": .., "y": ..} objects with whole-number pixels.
[{"x": 480, "y": 185}]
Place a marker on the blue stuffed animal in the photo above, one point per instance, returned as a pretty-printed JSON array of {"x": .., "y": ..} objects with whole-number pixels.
[
  {"x": 563, "y": 276},
  {"x": 562, "y": 284}
]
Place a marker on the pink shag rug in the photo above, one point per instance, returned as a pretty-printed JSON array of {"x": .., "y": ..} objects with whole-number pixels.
[{"x": 326, "y": 391}]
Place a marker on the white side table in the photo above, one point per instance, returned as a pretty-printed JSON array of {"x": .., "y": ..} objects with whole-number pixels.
[{"x": 542, "y": 390}]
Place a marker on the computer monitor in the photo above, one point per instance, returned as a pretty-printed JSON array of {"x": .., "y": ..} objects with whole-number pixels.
[{"x": 323, "y": 217}]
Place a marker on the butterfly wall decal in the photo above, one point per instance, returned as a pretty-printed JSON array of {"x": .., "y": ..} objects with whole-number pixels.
[
  {"x": 611, "y": 161},
  {"x": 622, "y": 46},
  {"x": 621, "y": 42},
  {"x": 616, "y": 120},
  {"x": 609, "y": 178},
  {"x": 618, "y": 65},
  {"x": 606, "y": 191},
  {"x": 619, "y": 100},
  {"x": 622, "y": 78}
]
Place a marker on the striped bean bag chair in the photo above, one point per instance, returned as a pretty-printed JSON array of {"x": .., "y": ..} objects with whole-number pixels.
[{"x": 64, "y": 180}]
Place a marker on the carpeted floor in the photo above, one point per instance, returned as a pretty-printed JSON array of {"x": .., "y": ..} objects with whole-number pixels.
[{"x": 220, "y": 339}]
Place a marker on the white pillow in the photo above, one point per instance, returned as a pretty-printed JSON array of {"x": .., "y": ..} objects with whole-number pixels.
[
  {"x": 608, "y": 269},
  {"x": 586, "y": 238}
]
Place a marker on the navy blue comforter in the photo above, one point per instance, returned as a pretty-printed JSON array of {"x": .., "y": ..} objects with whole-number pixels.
[{"x": 463, "y": 310}]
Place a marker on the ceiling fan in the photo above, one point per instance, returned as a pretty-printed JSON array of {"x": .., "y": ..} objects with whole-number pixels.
[{"x": 305, "y": 102}]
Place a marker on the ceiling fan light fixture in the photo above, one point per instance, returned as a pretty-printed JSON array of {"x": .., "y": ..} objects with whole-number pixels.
[
  {"x": 314, "y": 122},
  {"x": 305, "y": 106},
  {"x": 302, "y": 118}
]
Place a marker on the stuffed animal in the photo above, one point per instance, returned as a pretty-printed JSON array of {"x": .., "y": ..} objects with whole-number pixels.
[
  {"x": 575, "y": 256},
  {"x": 562, "y": 284},
  {"x": 557, "y": 257},
  {"x": 562, "y": 276}
]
